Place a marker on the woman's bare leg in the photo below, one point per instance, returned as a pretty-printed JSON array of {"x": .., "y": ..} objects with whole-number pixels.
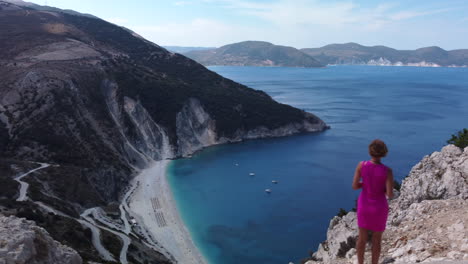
[
  {"x": 361, "y": 245},
  {"x": 376, "y": 244}
]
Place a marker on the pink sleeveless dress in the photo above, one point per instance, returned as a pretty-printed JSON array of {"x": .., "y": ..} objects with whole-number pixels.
[{"x": 372, "y": 207}]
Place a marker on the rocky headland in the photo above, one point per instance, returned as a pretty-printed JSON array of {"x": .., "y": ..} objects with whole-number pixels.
[{"x": 428, "y": 220}]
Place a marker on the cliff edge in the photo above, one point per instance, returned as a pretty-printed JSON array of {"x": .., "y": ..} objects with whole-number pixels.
[{"x": 427, "y": 223}]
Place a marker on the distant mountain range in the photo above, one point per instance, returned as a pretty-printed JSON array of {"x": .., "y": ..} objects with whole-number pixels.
[
  {"x": 353, "y": 53},
  {"x": 254, "y": 53},
  {"x": 259, "y": 53}
]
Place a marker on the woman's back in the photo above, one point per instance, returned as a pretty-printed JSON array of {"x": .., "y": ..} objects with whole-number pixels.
[
  {"x": 374, "y": 178},
  {"x": 376, "y": 181},
  {"x": 372, "y": 204}
]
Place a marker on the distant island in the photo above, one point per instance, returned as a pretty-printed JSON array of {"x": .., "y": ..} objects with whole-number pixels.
[
  {"x": 259, "y": 53},
  {"x": 254, "y": 53},
  {"x": 353, "y": 53}
]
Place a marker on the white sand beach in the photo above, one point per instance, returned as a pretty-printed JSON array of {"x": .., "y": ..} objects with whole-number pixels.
[{"x": 153, "y": 207}]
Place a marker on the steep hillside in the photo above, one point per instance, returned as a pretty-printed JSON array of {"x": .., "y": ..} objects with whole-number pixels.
[
  {"x": 254, "y": 53},
  {"x": 353, "y": 53},
  {"x": 97, "y": 104}
]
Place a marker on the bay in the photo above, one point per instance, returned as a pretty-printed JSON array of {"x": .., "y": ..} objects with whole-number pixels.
[{"x": 233, "y": 220}]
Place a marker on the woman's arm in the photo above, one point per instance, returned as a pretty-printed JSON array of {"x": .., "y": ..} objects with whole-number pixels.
[
  {"x": 389, "y": 187},
  {"x": 357, "y": 177}
]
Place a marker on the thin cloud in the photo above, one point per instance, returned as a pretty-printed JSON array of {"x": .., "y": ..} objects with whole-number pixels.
[
  {"x": 308, "y": 23},
  {"x": 182, "y": 3},
  {"x": 315, "y": 12},
  {"x": 412, "y": 14},
  {"x": 201, "y": 32}
]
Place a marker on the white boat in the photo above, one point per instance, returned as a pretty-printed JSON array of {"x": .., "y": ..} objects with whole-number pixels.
[
  {"x": 252, "y": 174},
  {"x": 268, "y": 190},
  {"x": 275, "y": 182}
]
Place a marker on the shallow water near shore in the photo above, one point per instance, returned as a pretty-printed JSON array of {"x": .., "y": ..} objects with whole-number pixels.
[{"x": 231, "y": 218}]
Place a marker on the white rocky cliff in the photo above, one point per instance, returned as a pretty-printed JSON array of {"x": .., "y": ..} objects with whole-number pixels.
[
  {"x": 22, "y": 241},
  {"x": 385, "y": 62},
  {"x": 428, "y": 222},
  {"x": 195, "y": 129}
]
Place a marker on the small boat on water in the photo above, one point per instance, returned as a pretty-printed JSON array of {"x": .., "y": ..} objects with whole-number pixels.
[
  {"x": 252, "y": 174},
  {"x": 237, "y": 164},
  {"x": 275, "y": 182},
  {"x": 268, "y": 190}
]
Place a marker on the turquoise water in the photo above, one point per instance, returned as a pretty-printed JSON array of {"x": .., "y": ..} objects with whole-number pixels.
[{"x": 232, "y": 219}]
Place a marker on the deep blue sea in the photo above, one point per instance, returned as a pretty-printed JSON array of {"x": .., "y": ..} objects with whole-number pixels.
[{"x": 231, "y": 218}]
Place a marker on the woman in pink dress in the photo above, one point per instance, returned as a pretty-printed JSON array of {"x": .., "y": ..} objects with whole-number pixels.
[{"x": 376, "y": 181}]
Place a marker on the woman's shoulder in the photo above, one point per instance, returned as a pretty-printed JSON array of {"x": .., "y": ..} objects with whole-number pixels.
[
  {"x": 360, "y": 165},
  {"x": 387, "y": 168}
]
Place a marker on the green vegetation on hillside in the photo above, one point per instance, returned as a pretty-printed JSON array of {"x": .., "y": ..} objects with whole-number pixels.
[
  {"x": 460, "y": 140},
  {"x": 254, "y": 53},
  {"x": 353, "y": 53}
]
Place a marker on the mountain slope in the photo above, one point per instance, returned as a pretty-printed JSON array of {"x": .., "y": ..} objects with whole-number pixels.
[
  {"x": 99, "y": 103},
  {"x": 254, "y": 53},
  {"x": 353, "y": 53}
]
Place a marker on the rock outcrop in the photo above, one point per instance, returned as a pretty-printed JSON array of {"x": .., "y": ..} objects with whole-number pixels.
[
  {"x": 441, "y": 175},
  {"x": 22, "y": 241},
  {"x": 427, "y": 223},
  {"x": 431, "y": 230},
  {"x": 344, "y": 231}
]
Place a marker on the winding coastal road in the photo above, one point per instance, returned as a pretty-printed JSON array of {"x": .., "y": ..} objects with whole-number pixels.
[
  {"x": 124, "y": 207},
  {"x": 86, "y": 220},
  {"x": 95, "y": 219},
  {"x": 111, "y": 228},
  {"x": 96, "y": 238},
  {"x": 24, "y": 185}
]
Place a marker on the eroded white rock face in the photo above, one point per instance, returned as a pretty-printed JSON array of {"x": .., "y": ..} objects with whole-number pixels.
[
  {"x": 428, "y": 222},
  {"x": 439, "y": 176},
  {"x": 194, "y": 127},
  {"x": 146, "y": 140},
  {"x": 344, "y": 232},
  {"x": 428, "y": 231},
  {"x": 153, "y": 140},
  {"x": 22, "y": 242}
]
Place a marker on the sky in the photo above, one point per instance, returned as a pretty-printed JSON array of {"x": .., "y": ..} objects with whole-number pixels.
[{"x": 406, "y": 24}]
